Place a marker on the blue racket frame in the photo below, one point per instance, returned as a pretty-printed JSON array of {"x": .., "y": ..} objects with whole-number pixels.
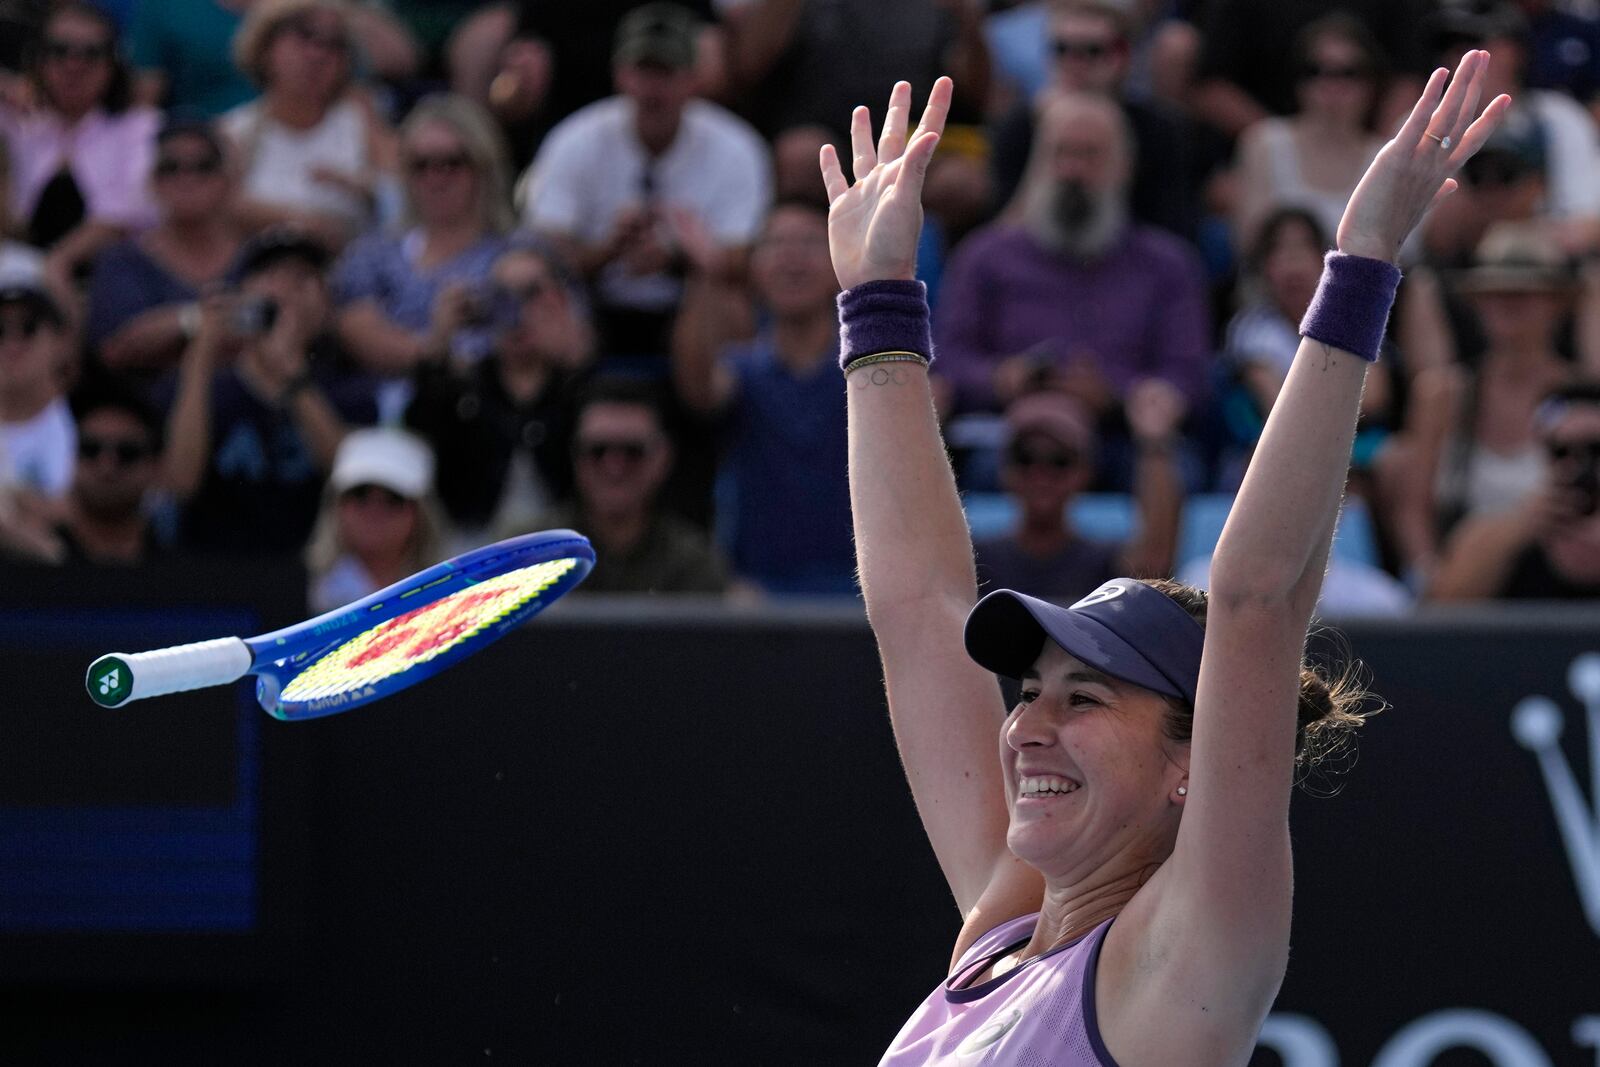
[{"x": 279, "y": 656}]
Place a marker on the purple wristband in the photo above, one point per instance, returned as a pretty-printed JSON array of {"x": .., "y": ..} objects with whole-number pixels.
[
  {"x": 1352, "y": 304},
  {"x": 884, "y": 316}
]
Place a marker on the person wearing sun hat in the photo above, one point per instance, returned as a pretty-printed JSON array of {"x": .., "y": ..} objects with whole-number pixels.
[
  {"x": 1048, "y": 459},
  {"x": 379, "y": 521},
  {"x": 1517, "y": 295}
]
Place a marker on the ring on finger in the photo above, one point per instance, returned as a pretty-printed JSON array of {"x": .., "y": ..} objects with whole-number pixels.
[{"x": 1444, "y": 142}]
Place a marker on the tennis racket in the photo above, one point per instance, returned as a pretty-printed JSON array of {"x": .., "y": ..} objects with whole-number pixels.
[{"x": 379, "y": 645}]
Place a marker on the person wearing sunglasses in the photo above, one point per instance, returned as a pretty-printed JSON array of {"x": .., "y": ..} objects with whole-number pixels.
[
  {"x": 313, "y": 152},
  {"x": 412, "y": 295},
  {"x": 502, "y": 427},
  {"x": 1313, "y": 158},
  {"x": 380, "y": 520},
  {"x": 81, "y": 156},
  {"x": 106, "y": 514},
  {"x": 144, "y": 291},
  {"x": 1548, "y": 547},
  {"x": 621, "y": 457},
  {"x": 1048, "y": 460},
  {"x": 1090, "y": 52},
  {"x": 1470, "y": 446},
  {"x": 180, "y": 50}
]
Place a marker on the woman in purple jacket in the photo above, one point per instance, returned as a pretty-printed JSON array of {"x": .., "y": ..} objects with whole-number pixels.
[{"x": 1123, "y": 870}]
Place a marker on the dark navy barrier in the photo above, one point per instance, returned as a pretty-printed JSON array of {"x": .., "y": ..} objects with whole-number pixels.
[{"x": 659, "y": 833}]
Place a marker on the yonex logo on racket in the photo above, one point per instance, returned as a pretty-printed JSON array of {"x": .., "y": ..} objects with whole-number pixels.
[
  {"x": 1536, "y": 723},
  {"x": 1109, "y": 591},
  {"x": 110, "y": 683}
]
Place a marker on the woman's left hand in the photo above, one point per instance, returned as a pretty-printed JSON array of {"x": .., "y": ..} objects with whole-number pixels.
[
  {"x": 874, "y": 225},
  {"x": 1412, "y": 171}
]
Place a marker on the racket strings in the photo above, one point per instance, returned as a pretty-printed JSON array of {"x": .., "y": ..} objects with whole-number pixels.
[{"x": 423, "y": 633}]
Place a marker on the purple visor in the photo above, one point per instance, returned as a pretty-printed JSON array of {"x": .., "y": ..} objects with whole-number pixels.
[{"x": 1125, "y": 629}]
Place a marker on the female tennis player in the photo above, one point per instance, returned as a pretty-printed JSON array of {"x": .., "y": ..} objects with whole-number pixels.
[{"x": 1123, "y": 869}]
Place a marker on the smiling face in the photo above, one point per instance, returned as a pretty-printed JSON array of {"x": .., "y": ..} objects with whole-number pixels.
[{"x": 1091, "y": 777}]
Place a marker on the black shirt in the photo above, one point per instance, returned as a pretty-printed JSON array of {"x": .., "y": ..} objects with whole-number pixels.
[
  {"x": 476, "y": 428},
  {"x": 1533, "y": 578}
]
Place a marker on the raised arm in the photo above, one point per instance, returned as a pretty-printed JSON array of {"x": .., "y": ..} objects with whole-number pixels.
[
  {"x": 1228, "y": 883},
  {"x": 912, "y": 545}
]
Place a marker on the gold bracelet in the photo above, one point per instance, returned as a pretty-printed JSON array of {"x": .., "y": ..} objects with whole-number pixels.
[{"x": 886, "y": 357}]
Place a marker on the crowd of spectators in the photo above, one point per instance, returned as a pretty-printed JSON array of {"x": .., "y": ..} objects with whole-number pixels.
[{"x": 370, "y": 283}]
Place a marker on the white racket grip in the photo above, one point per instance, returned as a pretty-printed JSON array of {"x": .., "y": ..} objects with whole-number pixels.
[{"x": 120, "y": 677}]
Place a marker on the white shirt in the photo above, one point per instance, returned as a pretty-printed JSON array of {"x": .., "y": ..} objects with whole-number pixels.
[
  {"x": 278, "y": 161},
  {"x": 39, "y": 454},
  {"x": 591, "y": 167},
  {"x": 1572, "y": 154}
]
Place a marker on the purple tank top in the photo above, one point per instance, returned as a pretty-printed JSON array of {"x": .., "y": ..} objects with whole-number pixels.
[{"x": 1041, "y": 1014}]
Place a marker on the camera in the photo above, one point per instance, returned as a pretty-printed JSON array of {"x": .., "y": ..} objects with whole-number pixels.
[{"x": 254, "y": 316}]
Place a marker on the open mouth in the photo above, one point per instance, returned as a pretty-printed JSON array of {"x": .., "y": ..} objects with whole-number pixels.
[{"x": 1046, "y": 785}]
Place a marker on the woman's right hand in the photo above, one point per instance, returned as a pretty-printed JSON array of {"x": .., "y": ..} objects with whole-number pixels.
[
  {"x": 874, "y": 225},
  {"x": 1412, "y": 172}
]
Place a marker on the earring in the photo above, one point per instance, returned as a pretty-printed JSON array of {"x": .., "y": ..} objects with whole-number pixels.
[{"x": 1183, "y": 790}]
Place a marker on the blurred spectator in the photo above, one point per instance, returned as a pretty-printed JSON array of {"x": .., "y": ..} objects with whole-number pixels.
[
  {"x": 37, "y": 436},
  {"x": 794, "y": 62},
  {"x": 379, "y": 521},
  {"x": 1247, "y": 57},
  {"x": 20, "y": 22},
  {"x": 1090, "y": 50},
  {"x": 81, "y": 154},
  {"x": 105, "y": 517},
  {"x": 1504, "y": 182},
  {"x": 1065, "y": 292},
  {"x": 1049, "y": 460},
  {"x": 142, "y": 296},
  {"x": 409, "y": 296},
  {"x": 181, "y": 49},
  {"x": 502, "y": 427},
  {"x": 1313, "y": 158},
  {"x": 621, "y": 458},
  {"x": 249, "y": 440},
  {"x": 17, "y": 259},
  {"x": 1564, "y": 48},
  {"x": 313, "y": 151},
  {"x": 1262, "y": 338},
  {"x": 1549, "y": 546},
  {"x": 1567, "y": 132},
  {"x": 556, "y": 59},
  {"x": 1017, "y": 36},
  {"x": 625, "y": 184},
  {"x": 785, "y": 501},
  {"x": 1470, "y": 447}
]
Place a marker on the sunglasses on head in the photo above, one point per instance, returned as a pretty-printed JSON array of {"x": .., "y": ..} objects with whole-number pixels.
[
  {"x": 631, "y": 449},
  {"x": 1069, "y": 48},
  {"x": 1030, "y": 456},
  {"x": 1337, "y": 72},
  {"x": 90, "y": 53},
  {"x": 443, "y": 163},
  {"x": 168, "y": 166},
  {"x": 123, "y": 450},
  {"x": 308, "y": 33},
  {"x": 374, "y": 494}
]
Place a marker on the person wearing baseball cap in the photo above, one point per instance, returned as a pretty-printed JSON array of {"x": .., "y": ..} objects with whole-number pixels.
[
  {"x": 1047, "y": 461},
  {"x": 379, "y": 520}
]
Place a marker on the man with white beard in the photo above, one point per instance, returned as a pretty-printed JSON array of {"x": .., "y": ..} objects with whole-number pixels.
[{"x": 1064, "y": 291}]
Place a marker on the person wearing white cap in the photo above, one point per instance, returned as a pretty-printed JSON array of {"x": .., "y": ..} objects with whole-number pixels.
[{"x": 379, "y": 521}]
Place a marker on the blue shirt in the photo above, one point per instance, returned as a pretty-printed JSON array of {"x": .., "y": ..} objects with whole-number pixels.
[
  {"x": 785, "y": 486},
  {"x": 382, "y": 267}
]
